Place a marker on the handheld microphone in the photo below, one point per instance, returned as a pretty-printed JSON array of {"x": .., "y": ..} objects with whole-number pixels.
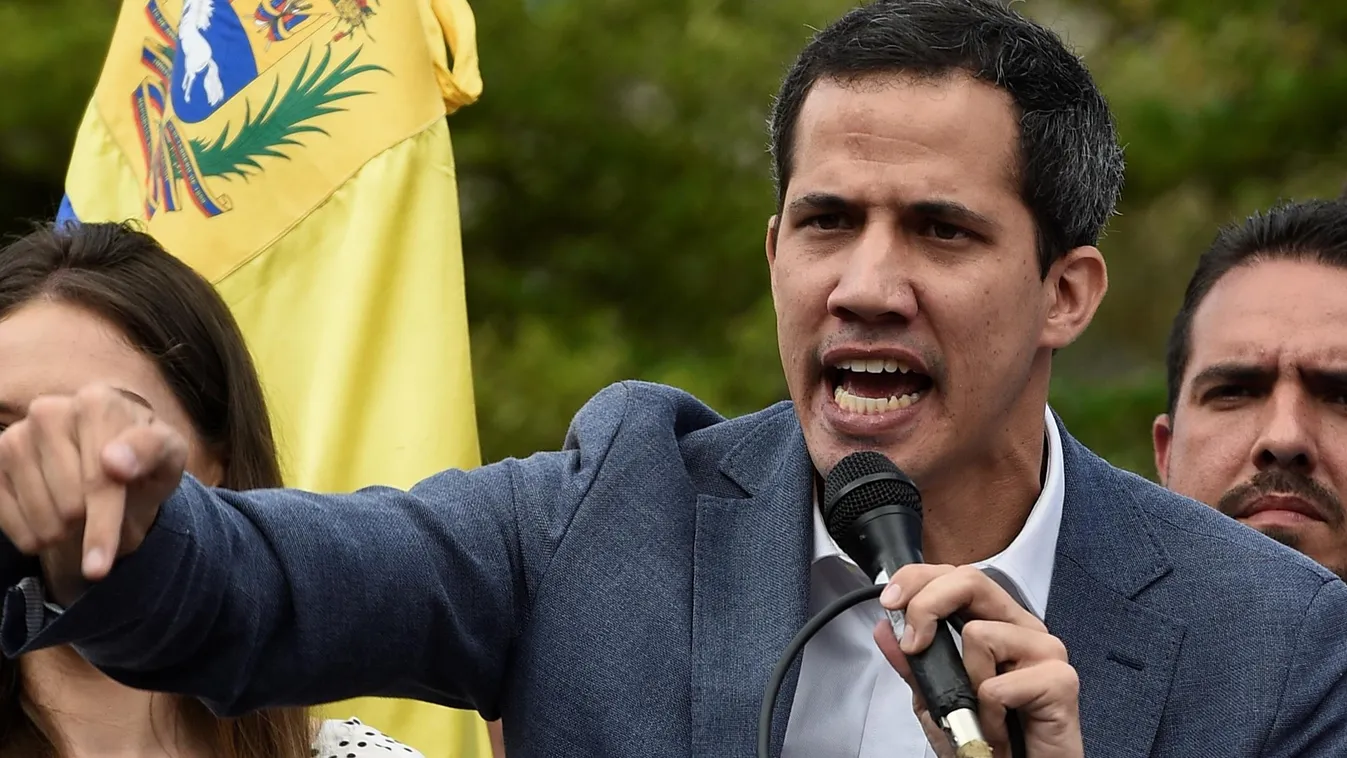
[{"x": 873, "y": 512}]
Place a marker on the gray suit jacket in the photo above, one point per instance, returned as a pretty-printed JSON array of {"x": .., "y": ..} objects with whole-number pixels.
[{"x": 629, "y": 594}]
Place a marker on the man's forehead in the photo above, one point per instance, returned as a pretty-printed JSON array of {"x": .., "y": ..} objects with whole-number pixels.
[
  {"x": 1282, "y": 312},
  {"x": 948, "y": 131}
]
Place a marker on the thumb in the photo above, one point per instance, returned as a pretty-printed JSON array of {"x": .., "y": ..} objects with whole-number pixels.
[
  {"x": 148, "y": 461},
  {"x": 888, "y": 645},
  {"x": 150, "y": 458}
]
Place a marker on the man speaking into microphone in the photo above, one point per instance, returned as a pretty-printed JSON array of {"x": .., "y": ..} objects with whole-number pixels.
[{"x": 944, "y": 171}]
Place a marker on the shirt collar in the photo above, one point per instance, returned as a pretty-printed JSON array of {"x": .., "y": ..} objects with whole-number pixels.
[{"x": 1028, "y": 560}]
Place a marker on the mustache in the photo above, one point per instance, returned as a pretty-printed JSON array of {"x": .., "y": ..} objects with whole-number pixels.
[{"x": 1279, "y": 481}]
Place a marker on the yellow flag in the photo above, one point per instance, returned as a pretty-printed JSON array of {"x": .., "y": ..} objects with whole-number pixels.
[{"x": 296, "y": 153}]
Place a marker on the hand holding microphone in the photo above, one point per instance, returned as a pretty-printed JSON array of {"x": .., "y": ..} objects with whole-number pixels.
[{"x": 1011, "y": 659}]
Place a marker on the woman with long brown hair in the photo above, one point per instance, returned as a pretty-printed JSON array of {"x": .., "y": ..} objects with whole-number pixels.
[{"x": 105, "y": 303}]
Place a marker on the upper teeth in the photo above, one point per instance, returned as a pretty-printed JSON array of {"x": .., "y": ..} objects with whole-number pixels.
[{"x": 874, "y": 366}]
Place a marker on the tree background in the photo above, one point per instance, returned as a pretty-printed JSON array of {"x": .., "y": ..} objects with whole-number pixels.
[{"x": 615, "y": 182}]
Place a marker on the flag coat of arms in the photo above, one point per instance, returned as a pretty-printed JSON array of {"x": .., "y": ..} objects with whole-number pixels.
[{"x": 297, "y": 154}]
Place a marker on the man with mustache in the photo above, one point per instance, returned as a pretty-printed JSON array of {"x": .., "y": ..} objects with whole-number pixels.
[{"x": 1257, "y": 372}]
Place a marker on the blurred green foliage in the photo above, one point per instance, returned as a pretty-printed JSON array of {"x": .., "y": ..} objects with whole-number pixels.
[{"x": 615, "y": 182}]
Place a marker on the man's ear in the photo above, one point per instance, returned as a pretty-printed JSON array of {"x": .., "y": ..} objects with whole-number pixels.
[
  {"x": 1076, "y": 284},
  {"x": 1162, "y": 433}
]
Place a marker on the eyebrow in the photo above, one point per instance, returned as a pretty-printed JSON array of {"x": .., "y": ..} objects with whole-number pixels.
[
  {"x": 819, "y": 201},
  {"x": 1335, "y": 377},
  {"x": 1247, "y": 373},
  {"x": 945, "y": 210},
  {"x": 10, "y": 409},
  {"x": 1237, "y": 373},
  {"x": 949, "y": 210}
]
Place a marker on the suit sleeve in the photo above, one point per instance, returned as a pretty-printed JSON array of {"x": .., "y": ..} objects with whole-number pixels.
[
  {"x": 280, "y": 597},
  {"x": 1312, "y": 717}
]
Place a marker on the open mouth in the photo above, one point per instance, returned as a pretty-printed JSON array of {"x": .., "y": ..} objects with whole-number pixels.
[{"x": 875, "y": 385}]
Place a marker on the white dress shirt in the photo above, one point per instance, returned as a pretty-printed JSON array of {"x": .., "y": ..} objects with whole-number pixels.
[{"x": 850, "y": 703}]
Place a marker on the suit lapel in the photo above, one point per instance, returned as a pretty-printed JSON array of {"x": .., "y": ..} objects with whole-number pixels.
[
  {"x": 751, "y": 584},
  {"x": 1124, "y": 651},
  {"x": 750, "y": 587}
]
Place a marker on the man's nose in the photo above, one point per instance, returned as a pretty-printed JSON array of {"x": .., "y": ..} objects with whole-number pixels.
[
  {"x": 876, "y": 284},
  {"x": 1287, "y": 438}
]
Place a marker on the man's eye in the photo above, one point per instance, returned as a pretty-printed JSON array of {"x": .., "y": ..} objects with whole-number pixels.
[
  {"x": 1229, "y": 391},
  {"x": 826, "y": 221},
  {"x": 946, "y": 232}
]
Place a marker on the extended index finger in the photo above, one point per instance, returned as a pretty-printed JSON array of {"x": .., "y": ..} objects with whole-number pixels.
[
  {"x": 102, "y": 416},
  {"x": 966, "y": 591},
  {"x": 105, "y": 510}
]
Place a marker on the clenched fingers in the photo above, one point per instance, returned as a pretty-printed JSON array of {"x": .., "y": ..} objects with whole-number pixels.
[
  {"x": 1046, "y": 695},
  {"x": 31, "y": 491},
  {"x": 53, "y": 426},
  {"x": 993, "y": 646},
  {"x": 1048, "y": 691},
  {"x": 40, "y": 505},
  {"x": 82, "y": 478},
  {"x": 12, "y": 520}
]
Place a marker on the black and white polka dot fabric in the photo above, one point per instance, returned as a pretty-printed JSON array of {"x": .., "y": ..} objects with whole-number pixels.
[{"x": 352, "y": 739}]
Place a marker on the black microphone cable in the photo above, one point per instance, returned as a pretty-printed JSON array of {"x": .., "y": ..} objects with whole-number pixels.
[{"x": 831, "y": 611}]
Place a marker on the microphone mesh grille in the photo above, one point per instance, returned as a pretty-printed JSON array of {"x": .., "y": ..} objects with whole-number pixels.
[{"x": 840, "y": 510}]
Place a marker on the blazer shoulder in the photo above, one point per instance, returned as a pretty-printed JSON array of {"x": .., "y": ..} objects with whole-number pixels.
[
  {"x": 641, "y": 424},
  {"x": 641, "y": 408},
  {"x": 647, "y": 407}
]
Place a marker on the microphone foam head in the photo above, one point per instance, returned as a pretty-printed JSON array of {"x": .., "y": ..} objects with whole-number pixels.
[{"x": 860, "y": 482}]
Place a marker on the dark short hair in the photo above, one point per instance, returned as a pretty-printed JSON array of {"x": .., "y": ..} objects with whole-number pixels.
[
  {"x": 1312, "y": 230},
  {"x": 1070, "y": 164}
]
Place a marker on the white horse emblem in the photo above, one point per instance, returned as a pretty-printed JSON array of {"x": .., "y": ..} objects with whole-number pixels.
[{"x": 196, "y": 51}]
